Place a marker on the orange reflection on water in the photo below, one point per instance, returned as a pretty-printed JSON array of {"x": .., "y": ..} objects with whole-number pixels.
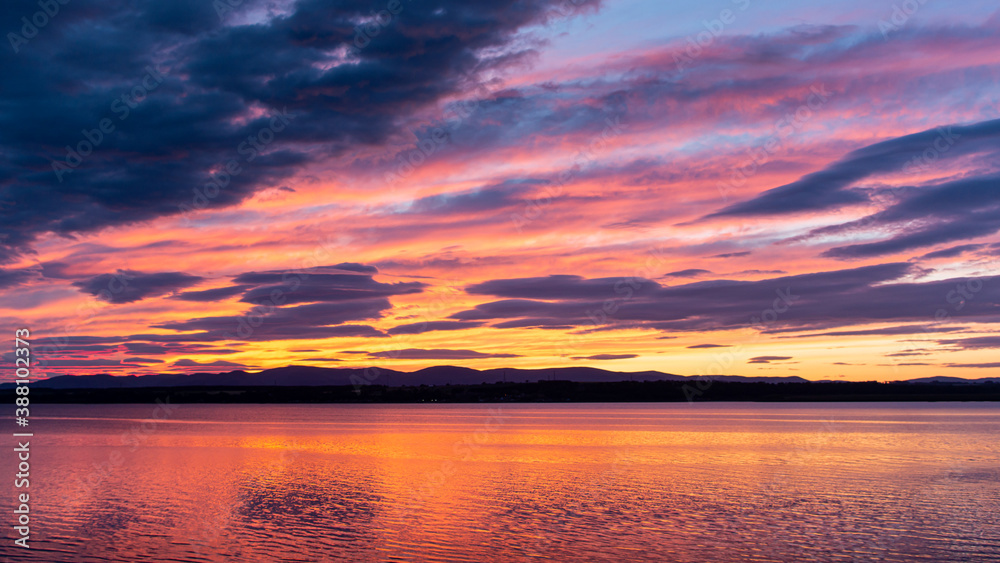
[{"x": 586, "y": 482}]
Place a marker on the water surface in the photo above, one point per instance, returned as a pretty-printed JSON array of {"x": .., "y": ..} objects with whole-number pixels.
[{"x": 565, "y": 482}]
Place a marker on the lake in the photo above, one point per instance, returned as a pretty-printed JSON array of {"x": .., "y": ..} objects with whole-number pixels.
[{"x": 512, "y": 482}]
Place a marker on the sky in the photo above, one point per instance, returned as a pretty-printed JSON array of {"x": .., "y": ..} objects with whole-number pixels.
[{"x": 701, "y": 188}]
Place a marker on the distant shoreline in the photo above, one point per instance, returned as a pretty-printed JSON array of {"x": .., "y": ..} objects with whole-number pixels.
[{"x": 530, "y": 392}]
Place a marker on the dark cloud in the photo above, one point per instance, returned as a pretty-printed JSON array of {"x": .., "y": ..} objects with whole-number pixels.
[
  {"x": 66, "y": 341},
  {"x": 77, "y": 349},
  {"x": 886, "y": 331},
  {"x": 57, "y": 270},
  {"x": 535, "y": 322},
  {"x": 429, "y": 326},
  {"x": 768, "y": 359},
  {"x": 733, "y": 254},
  {"x": 696, "y": 346},
  {"x": 69, "y": 351},
  {"x": 436, "y": 354},
  {"x": 487, "y": 199},
  {"x": 563, "y": 287},
  {"x": 329, "y": 283},
  {"x": 150, "y": 348},
  {"x": 953, "y": 251},
  {"x": 974, "y": 343},
  {"x": 351, "y": 294},
  {"x": 606, "y": 357},
  {"x": 820, "y": 300},
  {"x": 215, "y": 82},
  {"x": 947, "y": 212},
  {"x": 97, "y": 363},
  {"x": 11, "y": 278},
  {"x": 292, "y": 275},
  {"x": 214, "y": 364},
  {"x": 128, "y": 286},
  {"x": 690, "y": 273},
  {"x": 833, "y": 186},
  {"x": 986, "y": 365},
  {"x": 355, "y": 267},
  {"x": 142, "y": 361},
  {"x": 217, "y": 294},
  {"x": 313, "y": 321},
  {"x": 330, "y": 288}
]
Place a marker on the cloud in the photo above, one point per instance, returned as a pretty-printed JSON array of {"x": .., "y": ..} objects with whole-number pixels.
[
  {"x": 975, "y": 343},
  {"x": 986, "y": 365},
  {"x": 323, "y": 284},
  {"x": 94, "y": 351},
  {"x": 128, "y": 286},
  {"x": 953, "y": 251},
  {"x": 214, "y": 364},
  {"x": 57, "y": 270},
  {"x": 607, "y": 357},
  {"x": 430, "y": 326},
  {"x": 96, "y": 363},
  {"x": 946, "y": 212},
  {"x": 689, "y": 273},
  {"x": 697, "y": 346},
  {"x": 217, "y": 294},
  {"x": 216, "y": 82},
  {"x": 46, "y": 350},
  {"x": 436, "y": 354},
  {"x": 487, "y": 199},
  {"x": 832, "y": 186},
  {"x": 331, "y": 296},
  {"x": 824, "y": 299},
  {"x": 955, "y": 207},
  {"x": 313, "y": 321},
  {"x": 768, "y": 359},
  {"x": 142, "y": 361},
  {"x": 886, "y": 331},
  {"x": 64, "y": 341},
  {"x": 354, "y": 267},
  {"x": 11, "y": 278},
  {"x": 562, "y": 287},
  {"x": 149, "y": 348},
  {"x": 868, "y": 294}
]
